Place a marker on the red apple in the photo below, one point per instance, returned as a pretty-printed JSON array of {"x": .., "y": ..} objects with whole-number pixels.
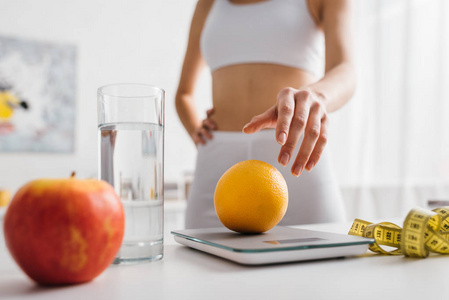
[{"x": 63, "y": 231}]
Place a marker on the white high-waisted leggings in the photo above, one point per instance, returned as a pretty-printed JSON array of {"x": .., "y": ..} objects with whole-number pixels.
[{"x": 314, "y": 197}]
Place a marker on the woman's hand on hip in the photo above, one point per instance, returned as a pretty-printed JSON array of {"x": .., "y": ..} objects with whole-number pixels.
[
  {"x": 296, "y": 112},
  {"x": 203, "y": 133}
]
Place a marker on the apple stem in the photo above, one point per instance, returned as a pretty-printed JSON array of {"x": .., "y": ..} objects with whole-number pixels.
[{"x": 73, "y": 174}]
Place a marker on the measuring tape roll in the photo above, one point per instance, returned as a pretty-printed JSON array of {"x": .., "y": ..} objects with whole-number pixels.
[{"x": 423, "y": 231}]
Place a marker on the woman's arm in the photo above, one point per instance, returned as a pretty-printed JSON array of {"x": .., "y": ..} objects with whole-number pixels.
[
  {"x": 338, "y": 84},
  {"x": 304, "y": 111},
  {"x": 191, "y": 69}
]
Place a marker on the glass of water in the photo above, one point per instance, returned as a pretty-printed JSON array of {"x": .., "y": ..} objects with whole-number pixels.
[{"x": 131, "y": 152}]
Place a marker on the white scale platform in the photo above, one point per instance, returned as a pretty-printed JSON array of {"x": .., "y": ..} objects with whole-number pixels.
[{"x": 279, "y": 245}]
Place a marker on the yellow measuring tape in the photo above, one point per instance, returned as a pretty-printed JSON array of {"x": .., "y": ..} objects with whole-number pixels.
[{"x": 423, "y": 231}]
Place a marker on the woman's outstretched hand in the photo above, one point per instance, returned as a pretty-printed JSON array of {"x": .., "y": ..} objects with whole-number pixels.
[
  {"x": 204, "y": 132},
  {"x": 295, "y": 112}
]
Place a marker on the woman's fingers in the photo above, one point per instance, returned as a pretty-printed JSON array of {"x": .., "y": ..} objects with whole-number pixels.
[
  {"x": 209, "y": 124},
  {"x": 311, "y": 135},
  {"x": 210, "y": 112},
  {"x": 319, "y": 146},
  {"x": 295, "y": 113},
  {"x": 285, "y": 111},
  {"x": 201, "y": 135},
  {"x": 204, "y": 132},
  {"x": 262, "y": 121},
  {"x": 297, "y": 125},
  {"x": 198, "y": 138}
]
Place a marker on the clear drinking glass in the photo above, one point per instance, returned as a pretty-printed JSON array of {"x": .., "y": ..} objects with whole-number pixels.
[{"x": 131, "y": 151}]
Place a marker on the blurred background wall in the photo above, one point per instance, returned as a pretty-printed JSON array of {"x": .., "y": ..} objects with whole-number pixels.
[
  {"x": 390, "y": 144},
  {"x": 116, "y": 41}
]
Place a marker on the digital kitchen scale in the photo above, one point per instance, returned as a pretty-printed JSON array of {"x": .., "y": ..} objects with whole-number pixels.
[{"x": 279, "y": 245}]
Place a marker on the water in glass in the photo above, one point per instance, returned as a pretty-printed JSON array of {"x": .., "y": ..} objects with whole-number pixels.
[{"x": 131, "y": 159}]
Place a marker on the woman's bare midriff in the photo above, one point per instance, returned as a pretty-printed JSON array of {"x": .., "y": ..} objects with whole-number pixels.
[{"x": 241, "y": 92}]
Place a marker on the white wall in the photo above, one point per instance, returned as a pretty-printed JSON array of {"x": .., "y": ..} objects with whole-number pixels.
[
  {"x": 117, "y": 41},
  {"x": 391, "y": 142}
]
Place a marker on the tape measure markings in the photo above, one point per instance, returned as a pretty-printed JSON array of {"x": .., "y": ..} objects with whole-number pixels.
[{"x": 423, "y": 231}]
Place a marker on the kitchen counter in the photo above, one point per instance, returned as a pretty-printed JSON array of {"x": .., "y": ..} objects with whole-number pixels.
[{"x": 185, "y": 273}]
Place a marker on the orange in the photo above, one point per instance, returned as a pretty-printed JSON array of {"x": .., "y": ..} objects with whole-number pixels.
[
  {"x": 251, "y": 197},
  {"x": 5, "y": 197}
]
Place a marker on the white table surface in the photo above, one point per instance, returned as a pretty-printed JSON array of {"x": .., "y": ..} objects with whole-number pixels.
[{"x": 185, "y": 273}]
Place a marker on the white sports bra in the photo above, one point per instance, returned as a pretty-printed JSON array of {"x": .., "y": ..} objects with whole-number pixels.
[{"x": 272, "y": 31}]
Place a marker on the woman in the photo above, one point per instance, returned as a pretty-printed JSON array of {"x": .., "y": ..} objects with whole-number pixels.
[{"x": 266, "y": 58}]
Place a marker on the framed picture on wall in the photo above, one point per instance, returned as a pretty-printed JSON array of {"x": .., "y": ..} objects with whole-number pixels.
[{"x": 37, "y": 96}]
